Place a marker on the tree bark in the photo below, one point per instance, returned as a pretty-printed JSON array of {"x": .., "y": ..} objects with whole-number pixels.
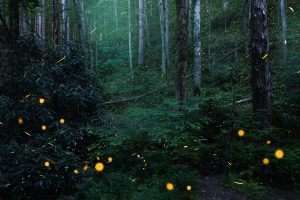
[
  {"x": 197, "y": 51},
  {"x": 246, "y": 19},
  {"x": 65, "y": 25},
  {"x": 13, "y": 6},
  {"x": 260, "y": 77},
  {"x": 116, "y": 14},
  {"x": 141, "y": 32},
  {"x": 181, "y": 55}
]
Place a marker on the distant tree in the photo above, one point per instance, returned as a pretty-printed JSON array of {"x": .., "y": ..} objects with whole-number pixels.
[
  {"x": 14, "y": 6},
  {"x": 141, "y": 32},
  {"x": 129, "y": 39},
  {"x": 260, "y": 76},
  {"x": 55, "y": 18},
  {"x": 116, "y": 14},
  {"x": 283, "y": 29},
  {"x": 181, "y": 48},
  {"x": 164, "y": 26},
  {"x": 197, "y": 50},
  {"x": 65, "y": 25}
]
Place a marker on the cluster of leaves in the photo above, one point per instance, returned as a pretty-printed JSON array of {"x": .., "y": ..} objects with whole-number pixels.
[{"x": 42, "y": 87}]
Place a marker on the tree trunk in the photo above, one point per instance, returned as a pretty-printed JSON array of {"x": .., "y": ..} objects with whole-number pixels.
[
  {"x": 55, "y": 27},
  {"x": 208, "y": 10},
  {"x": 197, "y": 51},
  {"x": 65, "y": 25},
  {"x": 141, "y": 32},
  {"x": 190, "y": 11},
  {"x": 164, "y": 26},
  {"x": 78, "y": 12},
  {"x": 146, "y": 23},
  {"x": 260, "y": 77},
  {"x": 24, "y": 21},
  {"x": 283, "y": 29},
  {"x": 116, "y": 14},
  {"x": 181, "y": 54},
  {"x": 13, "y": 6},
  {"x": 246, "y": 19},
  {"x": 129, "y": 39}
]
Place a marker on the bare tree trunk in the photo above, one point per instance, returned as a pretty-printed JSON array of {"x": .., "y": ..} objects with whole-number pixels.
[
  {"x": 116, "y": 14},
  {"x": 164, "y": 26},
  {"x": 65, "y": 25},
  {"x": 261, "y": 77},
  {"x": 190, "y": 11},
  {"x": 246, "y": 19},
  {"x": 197, "y": 51},
  {"x": 283, "y": 29},
  {"x": 55, "y": 27},
  {"x": 208, "y": 10},
  {"x": 41, "y": 23},
  {"x": 78, "y": 12},
  {"x": 181, "y": 55},
  {"x": 146, "y": 23},
  {"x": 141, "y": 32},
  {"x": 129, "y": 39},
  {"x": 225, "y": 7},
  {"x": 14, "y": 6},
  {"x": 24, "y": 21}
]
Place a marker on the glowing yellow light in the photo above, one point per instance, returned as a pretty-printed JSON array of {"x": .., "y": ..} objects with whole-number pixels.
[
  {"x": 44, "y": 127},
  {"x": 86, "y": 167},
  {"x": 265, "y": 161},
  {"x": 98, "y": 158},
  {"x": 62, "y": 121},
  {"x": 76, "y": 171},
  {"x": 20, "y": 120},
  {"x": 99, "y": 167},
  {"x": 265, "y": 56},
  {"x": 291, "y": 9},
  {"x": 47, "y": 164},
  {"x": 42, "y": 101},
  {"x": 169, "y": 186},
  {"x": 241, "y": 133},
  {"x": 279, "y": 154},
  {"x": 268, "y": 142},
  {"x": 188, "y": 188},
  {"x": 109, "y": 159}
]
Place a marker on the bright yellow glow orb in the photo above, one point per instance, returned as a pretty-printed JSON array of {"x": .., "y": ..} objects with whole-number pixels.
[
  {"x": 62, "y": 121},
  {"x": 279, "y": 154},
  {"x": 170, "y": 186},
  {"x": 47, "y": 164},
  {"x": 188, "y": 188},
  {"x": 86, "y": 167},
  {"x": 268, "y": 142},
  {"x": 241, "y": 133},
  {"x": 76, "y": 171},
  {"x": 109, "y": 159},
  {"x": 42, "y": 101},
  {"x": 44, "y": 127},
  {"x": 20, "y": 121},
  {"x": 99, "y": 167},
  {"x": 265, "y": 161}
]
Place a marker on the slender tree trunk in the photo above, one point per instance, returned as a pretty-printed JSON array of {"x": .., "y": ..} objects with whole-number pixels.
[
  {"x": 190, "y": 24},
  {"x": 146, "y": 23},
  {"x": 225, "y": 7},
  {"x": 116, "y": 14},
  {"x": 208, "y": 10},
  {"x": 129, "y": 39},
  {"x": 141, "y": 32},
  {"x": 55, "y": 27},
  {"x": 246, "y": 19},
  {"x": 261, "y": 78},
  {"x": 197, "y": 51},
  {"x": 283, "y": 29},
  {"x": 65, "y": 25},
  {"x": 181, "y": 55},
  {"x": 164, "y": 26},
  {"x": 24, "y": 21},
  {"x": 78, "y": 12}
]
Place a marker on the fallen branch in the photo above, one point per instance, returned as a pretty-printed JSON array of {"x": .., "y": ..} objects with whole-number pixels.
[{"x": 242, "y": 101}]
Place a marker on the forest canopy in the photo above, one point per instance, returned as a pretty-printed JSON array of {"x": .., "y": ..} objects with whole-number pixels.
[{"x": 149, "y": 99}]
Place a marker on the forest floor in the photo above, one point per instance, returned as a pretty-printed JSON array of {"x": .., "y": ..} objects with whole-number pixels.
[{"x": 212, "y": 188}]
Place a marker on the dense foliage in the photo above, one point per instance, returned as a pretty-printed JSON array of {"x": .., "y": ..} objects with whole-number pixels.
[{"x": 46, "y": 98}]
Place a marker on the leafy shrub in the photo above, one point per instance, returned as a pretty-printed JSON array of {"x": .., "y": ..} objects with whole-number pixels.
[{"x": 44, "y": 88}]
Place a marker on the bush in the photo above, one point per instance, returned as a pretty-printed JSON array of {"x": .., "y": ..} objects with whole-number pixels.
[{"x": 45, "y": 100}]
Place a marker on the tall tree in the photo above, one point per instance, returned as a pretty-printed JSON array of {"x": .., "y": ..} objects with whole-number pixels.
[
  {"x": 181, "y": 47},
  {"x": 141, "y": 32},
  {"x": 55, "y": 21},
  {"x": 246, "y": 19},
  {"x": 260, "y": 76},
  {"x": 164, "y": 26},
  {"x": 116, "y": 14},
  {"x": 129, "y": 39},
  {"x": 24, "y": 20},
  {"x": 283, "y": 29},
  {"x": 197, "y": 51},
  {"x": 146, "y": 23},
  {"x": 208, "y": 10},
  {"x": 79, "y": 21},
  {"x": 190, "y": 24}
]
